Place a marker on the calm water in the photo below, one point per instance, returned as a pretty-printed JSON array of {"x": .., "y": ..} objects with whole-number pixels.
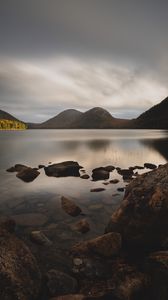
[{"x": 91, "y": 148}]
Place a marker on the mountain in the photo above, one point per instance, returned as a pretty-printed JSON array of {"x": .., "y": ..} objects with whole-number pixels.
[
  {"x": 9, "y": 122},
  {"x": 96, "y": 117},
  {"x": 6, "y": 116},
  {"x": 99, "y": 118},
  {"x": 154, "y": 118}
]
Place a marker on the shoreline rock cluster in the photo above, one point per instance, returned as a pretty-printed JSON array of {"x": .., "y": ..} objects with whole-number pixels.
[{"x": 128, "y": 262}]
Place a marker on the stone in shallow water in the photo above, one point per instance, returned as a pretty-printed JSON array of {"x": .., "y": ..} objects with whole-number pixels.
[
  {"x": 114, "y": 181},
  {"x": 85, "y": 176},
  {"x": 82, "y": 226},
  {"x": 63, "y": 169},
  {"x": 100, "y": 174},
  {"x": 97, "y": 190},
  {"x": 70, "y": 207},
  {"x": 30, "y": 219},
  {"x": 106, "y": 245},
  {"x": 150, "y": 166},
  {"x": 28, "y": 175},
  {"x": 40, "y": 238},
  {"x": 59, "y": 283}
]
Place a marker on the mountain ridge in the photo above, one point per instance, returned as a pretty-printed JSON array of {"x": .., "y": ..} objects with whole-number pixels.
[{"x": 99, "y": 118}]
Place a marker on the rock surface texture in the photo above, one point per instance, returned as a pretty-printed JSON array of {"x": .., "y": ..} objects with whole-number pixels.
[
  {"x": 19, "y": 274},
  {"x": 142, "y": 218}
]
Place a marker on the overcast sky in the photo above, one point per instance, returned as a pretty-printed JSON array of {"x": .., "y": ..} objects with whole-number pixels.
[{"x": 59, "y": 54}]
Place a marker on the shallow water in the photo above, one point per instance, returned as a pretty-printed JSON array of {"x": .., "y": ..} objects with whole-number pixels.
[{"x": 91, "y": 148}]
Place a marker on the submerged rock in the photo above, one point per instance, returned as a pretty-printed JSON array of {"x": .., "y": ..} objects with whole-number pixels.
[
  {"x": 70, "y": 207},
  {"x": 40, "y": 238},
  {"x": 82, "y": 226},
  {"x": 105, "y": 245},
  {"x": 63, "y": 169},
  {"x": 142, "y": 217},
  {"x": 30, "y": 219},
  {"x": 59, "y": 283},
  {"x": 114, "y": 181},
  {"x": 19, "y": 273}
]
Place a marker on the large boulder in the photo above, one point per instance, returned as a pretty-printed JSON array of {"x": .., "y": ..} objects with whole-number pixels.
[
  {"x": 63, "y": 169},
  {"x": 19, "y": 274},
  {"x": 142, "y": 218}
]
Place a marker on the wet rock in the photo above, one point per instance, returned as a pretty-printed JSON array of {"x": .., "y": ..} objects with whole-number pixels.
[
  {"x": 100, "y": 174},
  {"x": 120, "y": 189},
  {"x": 40, "y": 238},
  {"x": 85, "y": 176},
  {"x": 41, "y": 166},
  {"x": 142, "y": 217},
  {"x": 17, "y": 168},
  {"x": 82, "y": 226},
  {"x": 30, "y": 219},
  {"x": 12, "y": 169},
  {"x": 106, "y": 183},
  {"x": 114, "y": 181},
  {"x": 125, "y": 173},
  {"x": 28, "y": 174},
  {"x": 97, "y": 190},
  {"x": 63, "y": 169},
  {"x": 150, "y": 166},
  {"x": 59, "y": 283},
  {"x": 19, "y": 273},
  {"x": 109, "y": 168},
  {"x": 70, "y": 207},
  {"x": 105, "y": 245},
  {"x": 138, "y": 167}
]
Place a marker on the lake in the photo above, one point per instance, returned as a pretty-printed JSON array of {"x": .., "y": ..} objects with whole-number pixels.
[{"x": 91, "y": 149}]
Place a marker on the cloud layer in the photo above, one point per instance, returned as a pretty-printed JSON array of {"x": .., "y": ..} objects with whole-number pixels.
[{"x": 60, "y": 54}]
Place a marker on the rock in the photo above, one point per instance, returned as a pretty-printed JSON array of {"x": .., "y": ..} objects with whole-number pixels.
[
  {"x": 150, "y": 166},
  {"x": 82, "y": 226},
  {"x": 63, "y": 169},
  {"x": 30, "y": 219},
  {"x": 28, "y": 174},
  {"x": 40, "y": 238},
  {"x": 120, "y": 189},
  {"x": 70, "y": 207},
  {"x": 71, "y": 297},
  {"x": 106, "y": 183},
  {"x": 12, "y": 169},
  {"x": 100, "y": 174},
  {"x": 114, "y": 181},
  {"x": 85, "y": 176},
  {"x": 97, "y": 190},
  {"x": 105, "y": 245},
  {"x": 138, "y": 167},
  {"x": 109, "y": 168},
  {"x": 142, "y": 217},
  {"x": 41, "y": 166},
  {"x": 126, "y": 173},
  {"x": 19, "y": 273},
  {"x": 59, "y": 283},
  {"x": 157, "y": 268}
]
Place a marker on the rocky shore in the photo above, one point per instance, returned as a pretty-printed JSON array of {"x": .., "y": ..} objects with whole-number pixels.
[{"x": 128, "y": 262}]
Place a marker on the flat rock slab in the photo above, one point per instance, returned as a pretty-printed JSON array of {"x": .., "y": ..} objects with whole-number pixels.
[
  {"x": 97, "y": 190},
  {"x": 31, "y": 219},
  {"x": 63, "y": 169},
  {"x": 28, "y": 174}
]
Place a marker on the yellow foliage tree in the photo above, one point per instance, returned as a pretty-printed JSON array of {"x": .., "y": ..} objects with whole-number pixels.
[{"x": 12, "y": 125}]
